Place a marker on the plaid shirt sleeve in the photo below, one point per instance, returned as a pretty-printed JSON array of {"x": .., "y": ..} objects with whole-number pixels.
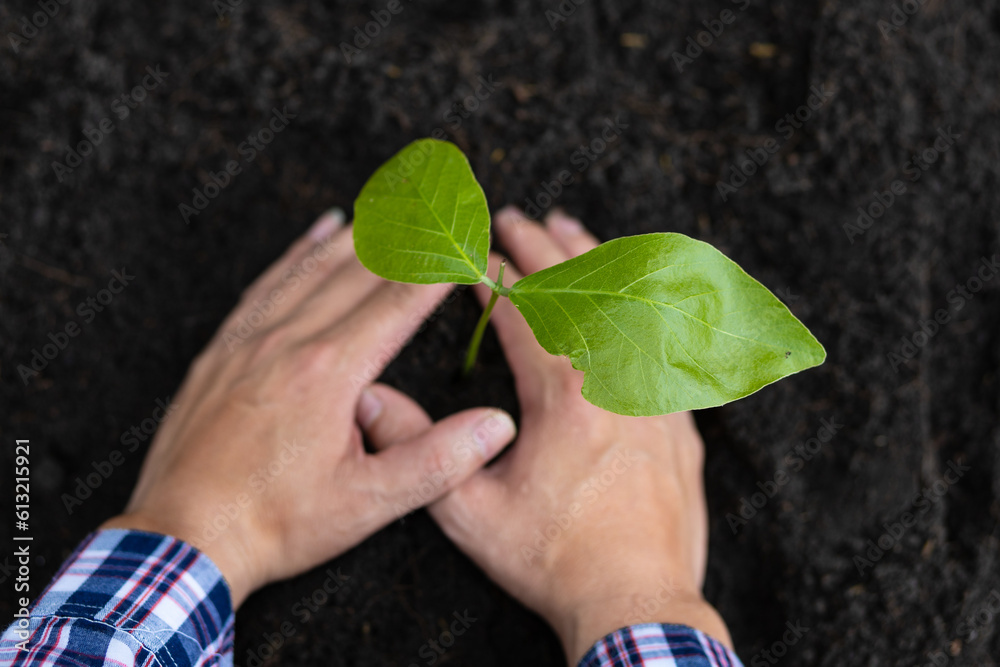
[
  {"x": 132, "y": 598},
  {"x": 128, "y": 598},
  {"x": 659, "y": 645}
]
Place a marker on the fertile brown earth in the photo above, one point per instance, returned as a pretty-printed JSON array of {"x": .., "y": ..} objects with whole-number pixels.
[{"x": 155, "y": 157}]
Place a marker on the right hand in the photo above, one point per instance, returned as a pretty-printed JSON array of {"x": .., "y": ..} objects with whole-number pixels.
[{"x": 592, "y": 519}]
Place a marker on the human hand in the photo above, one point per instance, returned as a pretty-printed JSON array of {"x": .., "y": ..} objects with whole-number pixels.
[
  {"x": 594, "y": 520},
  {"x": 260, "y": 463}
]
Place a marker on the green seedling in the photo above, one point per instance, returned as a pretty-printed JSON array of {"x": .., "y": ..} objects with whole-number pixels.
[{"x": 658, "y": 323}]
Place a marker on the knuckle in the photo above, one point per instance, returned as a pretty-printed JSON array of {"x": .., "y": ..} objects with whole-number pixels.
[
  {"x": 400, "y": 295},
  {"x": 438, "y": 465},
  {"x": 317, "y": 356},
  {"x": 267, "y": 343},
  {"x": 437, "y": 472}
]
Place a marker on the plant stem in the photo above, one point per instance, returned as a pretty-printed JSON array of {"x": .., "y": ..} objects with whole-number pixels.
[
  {"x": 498, "y": 288},
  {"x": 477, "y": 336}
]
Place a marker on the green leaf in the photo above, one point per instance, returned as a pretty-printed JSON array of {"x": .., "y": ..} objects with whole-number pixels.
[
  {"x": 422, "y": 217},
  {"x": 661, "y": 323}
]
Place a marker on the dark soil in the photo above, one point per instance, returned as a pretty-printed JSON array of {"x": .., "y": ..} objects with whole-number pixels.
[{"x": 792, "y": 562}]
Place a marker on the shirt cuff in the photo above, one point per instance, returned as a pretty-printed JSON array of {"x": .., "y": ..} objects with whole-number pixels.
[
  {"x": 128, "y": 596},
  {"x": 659, "y": 645}
]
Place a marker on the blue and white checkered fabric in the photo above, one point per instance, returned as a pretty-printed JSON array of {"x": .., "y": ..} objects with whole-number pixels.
[
  {"x": 128, "y": 598},
  {"x": 131, "y": 598}
]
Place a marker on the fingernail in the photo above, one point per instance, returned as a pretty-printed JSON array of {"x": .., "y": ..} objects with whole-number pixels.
[
  {"x": 327, "y": 224},
  {"x": 509, "y": 215},
  {"x": 561, "y": 223},
  {"x": 493, "y": 433},
  {"x": 369, "y": 408}
]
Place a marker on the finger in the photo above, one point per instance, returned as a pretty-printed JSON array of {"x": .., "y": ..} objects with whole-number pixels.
[
  {"x": 322, "y": 230},
  {"x": 528, "y": 360},
  {"x": 290, "y": 279},
  {"x": 387, "y": 416},
  {"x": 420, "y": 470},
  {"x": 312, "y": 270},
  {"x": 340, "y": 292},
  {"x": 372, "y": 334},
  {"x": 530, "y": 246},
  {"x": 569, "y": 233},
  {"x": 472, "y": 514}
]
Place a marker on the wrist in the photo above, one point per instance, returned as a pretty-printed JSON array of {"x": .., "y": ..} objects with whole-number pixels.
[
  {"x": 234, "y": 562},
  {"x": 585, "y": 622}
]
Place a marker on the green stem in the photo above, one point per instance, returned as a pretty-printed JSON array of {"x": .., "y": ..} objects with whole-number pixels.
[
  {"x": 477, "y": 336},
  {"x": 498, "y": 288}
]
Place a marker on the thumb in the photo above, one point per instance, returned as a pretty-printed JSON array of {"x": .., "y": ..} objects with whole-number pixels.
[
  {"x": 418, "y": 470},
  {"x": 388, "y": 416}
]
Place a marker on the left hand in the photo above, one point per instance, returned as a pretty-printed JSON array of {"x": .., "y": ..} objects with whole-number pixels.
[{"x": 260, "y": 463}]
